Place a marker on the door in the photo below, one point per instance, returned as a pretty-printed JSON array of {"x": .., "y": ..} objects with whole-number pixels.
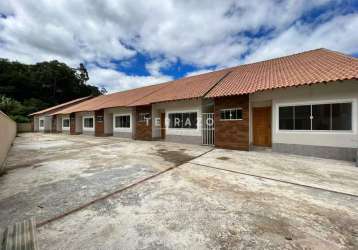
[
  {"x": 262, "y": 126},
  {"x": 208, "y": 128},
  {"x": 162, "y": 126}
]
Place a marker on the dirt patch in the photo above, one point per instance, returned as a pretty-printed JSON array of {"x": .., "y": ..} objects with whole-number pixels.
[
  {"x": 223, "y": 158},
  {"x": 2, "y": 173},
  {"x": 174, "y": 156}
]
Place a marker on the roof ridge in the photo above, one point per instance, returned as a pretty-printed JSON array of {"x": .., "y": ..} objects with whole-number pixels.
[
  {"x": 280, "y": 57},
  {"x": 46, "y": 110},
  {"x": 152, "y": 92},
  {"x": 226, "y": 69},
  {"x": 341, "y": 54}
]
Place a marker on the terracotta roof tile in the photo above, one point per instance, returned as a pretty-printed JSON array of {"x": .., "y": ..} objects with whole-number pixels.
[
  {"x": 56, "y": 108},
  {"x": 315, "y": 66},
  {"x": 184, "y": 88},
  {"x": 308, "y": 67},
  {"x": 119, "y": 99}
]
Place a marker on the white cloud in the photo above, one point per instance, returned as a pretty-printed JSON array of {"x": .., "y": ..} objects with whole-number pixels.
[
  {"x": 198, "y": 72},
  {"x": 114, "y": 80},
  {"x": 339, "y": 33},
  {"x": 204, "y": 33}
]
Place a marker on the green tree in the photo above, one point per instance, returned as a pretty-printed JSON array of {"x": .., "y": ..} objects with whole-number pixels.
[{"x": 34, "y": 87}]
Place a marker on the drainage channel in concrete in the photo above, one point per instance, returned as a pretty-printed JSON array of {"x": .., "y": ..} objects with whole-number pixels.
[
  {"x": 79, "y": 208},
  {"x": 273, "y": 179}
]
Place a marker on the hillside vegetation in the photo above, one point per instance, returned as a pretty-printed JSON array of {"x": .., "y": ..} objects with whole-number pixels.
[{"x": 26, "y": 88}]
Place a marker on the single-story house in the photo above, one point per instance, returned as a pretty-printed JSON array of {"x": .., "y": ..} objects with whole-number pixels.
[
  {"x": 304, "y": 103},
  {"x": 46, "y": 121}
]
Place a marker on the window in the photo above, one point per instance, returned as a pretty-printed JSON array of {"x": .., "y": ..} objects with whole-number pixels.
[
  {"x": 302, "y": 116},
  {"x": 183, "y": 120},
  {"x": 88, "y": 122},
  {"x": 231, "y": 114},
  {"x": 122, "y": 121},
  {"x": 342, "y": 116},
  {"x": 286, "y": 118},
  {"x": 66, "y": 123},
  {"x": 143, "y": 117},
  {"x": 321, "y": 115},
  {"x": 336, "y": 116},
  {"x": 42, "y": 123}
]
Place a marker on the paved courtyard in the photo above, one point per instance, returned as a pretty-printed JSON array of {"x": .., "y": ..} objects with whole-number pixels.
[{"x": 211, "y": 199}]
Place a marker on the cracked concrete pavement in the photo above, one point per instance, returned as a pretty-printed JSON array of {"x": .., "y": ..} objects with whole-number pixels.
[{"x": 222, "y": 200}]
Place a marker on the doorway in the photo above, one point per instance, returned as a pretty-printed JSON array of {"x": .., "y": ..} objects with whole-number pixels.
[{"x": 262, "y": 126}]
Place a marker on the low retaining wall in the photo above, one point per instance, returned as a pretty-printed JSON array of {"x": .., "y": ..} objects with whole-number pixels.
[
  {"x": 24, "y": 127},
  {"x": 7, "y": 136}
]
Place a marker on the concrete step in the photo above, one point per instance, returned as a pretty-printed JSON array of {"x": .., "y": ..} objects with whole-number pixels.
[{"x": 20, "y": 236}]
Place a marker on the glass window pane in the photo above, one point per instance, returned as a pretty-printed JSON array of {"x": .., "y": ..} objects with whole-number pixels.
[
  {"x": 321, "y": 117},
  {"x": 186, "y": 121},
  {"x": 193, "y": 120},
  {"x": 176, "y": 120},
  {"x": 286, "y": 118},
  {"x": 66, "y": 123},
  {"x": 122, "y": 121},
  {"x": 171, "y": 120},
  {"x": 227, "y": 114},
  {"x": 233, "y": 114},
  {"x": 302, "y": 117},
  {"x": 342, "y": 116},
  {"x": 239, "y": 114},
  {"x": 222, "y": 115}
]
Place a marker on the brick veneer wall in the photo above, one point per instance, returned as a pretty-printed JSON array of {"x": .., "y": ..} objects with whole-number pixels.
[
  {"x": 72, "y": 124},
  {"x": 232, "y": 134},
  {"x": 143, "y": 130},
  {"x": 99, "y": 122}
]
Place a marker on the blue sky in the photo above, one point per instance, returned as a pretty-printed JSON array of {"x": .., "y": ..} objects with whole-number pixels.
[{"x": 127, "y": 43}]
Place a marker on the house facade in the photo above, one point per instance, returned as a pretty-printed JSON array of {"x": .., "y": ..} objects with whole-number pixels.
[
  {"x": 47, "y": 121},
  {"x": 302, "y": 104}
]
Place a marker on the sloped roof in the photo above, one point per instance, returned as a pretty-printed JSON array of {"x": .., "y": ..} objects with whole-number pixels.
[
  {"x": 184, "y": 88},
  {"x": 119, "y": 99},
  {"x": 315, "y": 66},
  {"x": 50, "y": 110}
]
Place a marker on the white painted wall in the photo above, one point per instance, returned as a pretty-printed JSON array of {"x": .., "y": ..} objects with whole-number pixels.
[
  {"x": 36, "y": 123},
  {"x": 79, "y": 121},
  {"x": 193, "y": 105},
  {"x": 108, "y": 121},
  {"x": 318, "y": 93},
  {"x": 47, "y": 123},
  {"x": 41, "y": 128},
  {"x": 113, "y": 112}
]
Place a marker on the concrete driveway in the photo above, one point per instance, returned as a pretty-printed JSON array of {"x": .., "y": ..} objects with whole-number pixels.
[{"x": 222, "y": 199}]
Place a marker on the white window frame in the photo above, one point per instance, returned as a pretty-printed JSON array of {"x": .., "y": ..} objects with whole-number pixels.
[
  {"x": 83, "y": 123},
  {"x": 120, "y": 129},
  {"x": 230, "y": 119},
  {"x": 332, "y": 101},
  {"x": 42, "y": 119},
  {"x": 144, "y": 120},
  {"x": 69, "y": 123},
  {"x": 167, "y": 122}
]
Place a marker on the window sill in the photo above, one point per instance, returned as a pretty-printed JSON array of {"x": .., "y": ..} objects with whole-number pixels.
[
  {"x": 339, "y": 132},
  {"x": 225, "y": 120}
]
